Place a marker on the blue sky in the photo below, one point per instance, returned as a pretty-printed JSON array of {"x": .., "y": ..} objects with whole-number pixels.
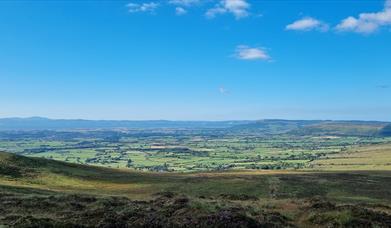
[{"x": 196, "y": 60}]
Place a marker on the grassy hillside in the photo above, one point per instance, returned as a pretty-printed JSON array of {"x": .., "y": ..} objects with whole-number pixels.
[
  {"x": 342, "y": 128},
  {"x": 273, "y": 126},
  {"x": 312, "y": 127},
  {"x": 39, "y": 192},
  {"x": 59, "y": 176},
  {"x": 366, "y": 157}
]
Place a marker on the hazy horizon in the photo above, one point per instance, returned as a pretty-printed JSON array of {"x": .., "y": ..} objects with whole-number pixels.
[{"x": 189, "y": 120}]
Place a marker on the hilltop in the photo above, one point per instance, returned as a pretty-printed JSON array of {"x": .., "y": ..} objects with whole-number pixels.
[{"x": 313, "y": 127}]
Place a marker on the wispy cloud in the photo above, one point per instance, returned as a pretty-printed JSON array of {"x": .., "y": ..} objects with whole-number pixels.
[
  {"x": 142, "y": 7},
  {"x": 308, "y": 24},
  {"x": 180, "y": 11},
  {"x": 383, "y": 86},
  {"x": 367, "y": 23},
  {"x": 239, "y": 8},
  {"x": 244, "y": 52},
  {"x": 183, "y": 2},
  {"x": 223, "y": 90},
  {"x": 182, "y": 6}
]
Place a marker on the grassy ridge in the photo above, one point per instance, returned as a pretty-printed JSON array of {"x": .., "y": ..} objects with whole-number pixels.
[
  {"x": 37, "y": 173},
  {"x": 341, "y": 128},
  {"x": 36, "y": 192},
  {"x": 367, "y": 157}
]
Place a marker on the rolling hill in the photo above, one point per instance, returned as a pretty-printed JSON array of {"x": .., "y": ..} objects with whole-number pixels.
[
  {"x": 45, "y": 193},
  {"x": 269, "y": 126},
  {"x": 313, "y": 127},
  {"x": 342, "y": 128}
]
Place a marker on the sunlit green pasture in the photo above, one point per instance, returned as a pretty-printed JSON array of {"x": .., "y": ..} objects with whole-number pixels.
[{"x": 190, "y": 153}]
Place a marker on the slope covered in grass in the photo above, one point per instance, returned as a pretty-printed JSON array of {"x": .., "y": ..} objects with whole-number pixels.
[
  {"x": 312, "y": 127},
  {"x": 18, "y": 171},
  {"x": 365, "y": 157},
  {"x": 36, "y": 192},
  {"x": 342, "y": 128}
]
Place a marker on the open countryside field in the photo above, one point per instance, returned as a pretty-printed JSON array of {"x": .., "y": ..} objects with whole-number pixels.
[
  {"x": 277, "y": 174},
  {"x": 267, "y": 145},
  {"x": 374, "y": 157},
  {"x": 74, "y": 178},
  {"x": 282, "y": 198}
]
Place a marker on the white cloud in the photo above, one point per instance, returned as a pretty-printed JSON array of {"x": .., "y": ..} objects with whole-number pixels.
[
  {"x": 308, "y": 24},
  {"x": 247, "y": 53},
  {"x": 239, "y": 8},
  {"x": 142, "y": 7},
  {"x": 184, "y": 2},
  {"x": 367, "y": 23},
  {"x": 211, "y": 13},
  {"x": 180, "y": 11},
  {"x": 223, "y": 90},
  {"x": 183, "y": 5}
]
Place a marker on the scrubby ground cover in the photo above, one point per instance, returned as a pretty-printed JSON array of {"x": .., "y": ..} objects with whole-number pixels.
[
  {"x": 46, "y": 193},
  {"x": 374, "y": 186},
  {"x": 172, "y": 210}
]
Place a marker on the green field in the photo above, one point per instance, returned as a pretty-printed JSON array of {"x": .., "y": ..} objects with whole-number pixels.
[
  {"x": 292, "y": 198},
  {"x": 191, "y": 151},
  {"x": 241, "y": 177}
]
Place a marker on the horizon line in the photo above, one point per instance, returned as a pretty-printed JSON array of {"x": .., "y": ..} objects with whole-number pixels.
[{"x": 173, "y": 120}]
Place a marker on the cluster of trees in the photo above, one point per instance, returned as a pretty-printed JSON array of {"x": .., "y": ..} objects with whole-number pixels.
[
  {"x": 276, "y": 166},
  {"x": 157, "y": 168},
  {"x": 386, "y": 131}
]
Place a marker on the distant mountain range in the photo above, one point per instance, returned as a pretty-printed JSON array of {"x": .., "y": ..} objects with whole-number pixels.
[
  {"x": 271, "y": 126},
  {"x": 39, "y": 123}
]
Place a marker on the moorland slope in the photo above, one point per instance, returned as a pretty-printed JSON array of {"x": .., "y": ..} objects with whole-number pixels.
[{"x": 39, "y": 192}]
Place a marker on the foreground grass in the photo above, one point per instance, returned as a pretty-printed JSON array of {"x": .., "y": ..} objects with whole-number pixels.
[
  {"x": 36, "y": 192},
  {"x": 41, "y": 174},
  {"x": 366, "y": 157}
]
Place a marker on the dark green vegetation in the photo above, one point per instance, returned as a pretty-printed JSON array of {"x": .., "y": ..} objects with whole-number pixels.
[
  {"x": 386, "y": 131},
  {"x": 88, "y": 211},
  {"x": 37, "y": 192},
  {"x": 271, "y": 173}
]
